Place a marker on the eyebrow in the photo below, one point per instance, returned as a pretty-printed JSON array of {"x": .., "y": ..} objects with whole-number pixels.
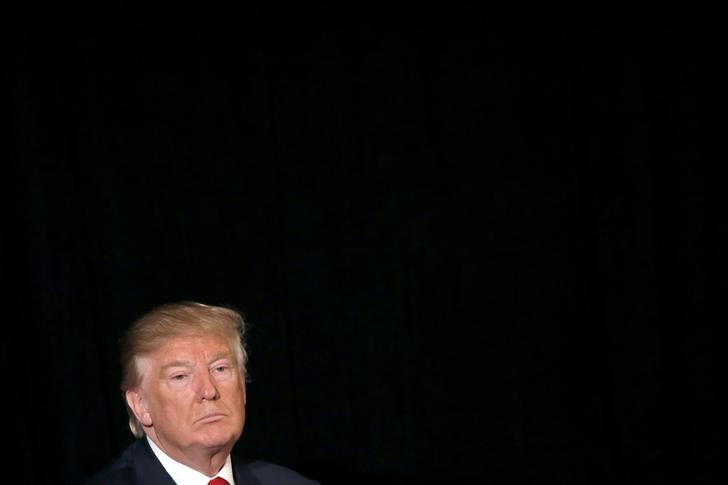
[
  {"x": 221, "y": 355},
  {"x": 177, "y": 363},
  {"x": 188, "y": 364}
]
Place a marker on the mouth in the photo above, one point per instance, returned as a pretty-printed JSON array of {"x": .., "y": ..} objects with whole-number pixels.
[{"x": 210, "y": 418}]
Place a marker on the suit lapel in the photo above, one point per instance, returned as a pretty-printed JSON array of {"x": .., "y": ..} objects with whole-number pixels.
[
  {"x": 242, "y": 473},
  {"x": 148, "y": 468}
]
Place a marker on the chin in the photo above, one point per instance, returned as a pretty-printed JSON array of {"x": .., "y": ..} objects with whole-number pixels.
[{"x": 218, "y": 438}]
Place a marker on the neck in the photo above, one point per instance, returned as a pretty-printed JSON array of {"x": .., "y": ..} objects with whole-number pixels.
[{"x": 207, "y": 461}]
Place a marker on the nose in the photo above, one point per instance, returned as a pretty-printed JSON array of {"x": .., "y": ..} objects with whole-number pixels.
[{"x": 207, "y": 388}]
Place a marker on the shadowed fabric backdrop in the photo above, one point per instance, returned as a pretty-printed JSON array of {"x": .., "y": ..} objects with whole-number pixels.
[{"x": 473, "y": 245}]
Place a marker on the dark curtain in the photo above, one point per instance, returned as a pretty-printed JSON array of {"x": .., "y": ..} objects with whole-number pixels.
[{"x": 475, "y": 244}]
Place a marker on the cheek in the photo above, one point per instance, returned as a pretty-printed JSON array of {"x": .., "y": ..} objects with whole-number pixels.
[
  {"x": 174, "y": 402},
  {"x": 237, "y": 395}
]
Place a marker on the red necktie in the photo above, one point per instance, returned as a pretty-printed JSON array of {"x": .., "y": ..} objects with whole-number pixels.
[{"x": 218, "y": 481}]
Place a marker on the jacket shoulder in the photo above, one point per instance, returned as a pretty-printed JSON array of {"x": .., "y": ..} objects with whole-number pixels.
[
  {"x": 272, "y": 474},
  {"x": 117, "y": 472},
  {"x": 137, "y": 465},
  {"x": 113, "y": 475}
]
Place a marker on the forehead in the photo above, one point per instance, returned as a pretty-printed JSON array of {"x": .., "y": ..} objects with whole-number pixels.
[{"x": 190, "y": 348}]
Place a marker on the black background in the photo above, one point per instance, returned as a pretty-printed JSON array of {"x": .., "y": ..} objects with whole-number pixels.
[{"x": 475, "y": 244}]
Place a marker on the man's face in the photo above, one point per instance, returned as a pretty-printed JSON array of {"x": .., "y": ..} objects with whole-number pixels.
[{"x": 192, "y": 396}]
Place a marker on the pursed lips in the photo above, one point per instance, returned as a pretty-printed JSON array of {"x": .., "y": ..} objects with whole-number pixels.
[{"x": 211, "y": 417}]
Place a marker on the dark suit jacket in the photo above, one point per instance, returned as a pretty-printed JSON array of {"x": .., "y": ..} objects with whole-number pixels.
[{"x": 138, "y": 465}]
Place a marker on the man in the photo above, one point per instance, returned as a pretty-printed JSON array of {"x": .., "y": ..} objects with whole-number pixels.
[{"x": 183, "y": 379}]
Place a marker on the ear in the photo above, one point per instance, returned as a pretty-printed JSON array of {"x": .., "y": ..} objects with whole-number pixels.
[{"x": 136, "y": 402}]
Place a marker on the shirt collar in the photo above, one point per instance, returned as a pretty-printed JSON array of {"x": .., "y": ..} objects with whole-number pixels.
[{"x": 184, "y": 475}]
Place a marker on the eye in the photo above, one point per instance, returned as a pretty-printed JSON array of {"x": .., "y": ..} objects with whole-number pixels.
[
  {"x": 177, "y": 376},
  {"x": 222, "y": 370}
]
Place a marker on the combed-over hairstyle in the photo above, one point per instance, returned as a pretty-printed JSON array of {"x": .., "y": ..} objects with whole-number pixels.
[{"x": 172, "y": 320}]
